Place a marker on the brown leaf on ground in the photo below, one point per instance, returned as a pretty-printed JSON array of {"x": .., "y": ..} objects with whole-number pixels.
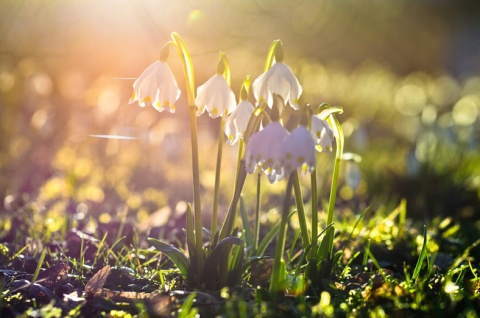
[
  {"x": 53, "y": 276},
  {"x": 97, "y": 282}
]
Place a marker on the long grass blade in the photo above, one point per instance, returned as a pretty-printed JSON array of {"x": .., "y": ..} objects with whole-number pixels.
[
  {"x": 423, "y": 254},
  {"x": 39, "y": 265}
]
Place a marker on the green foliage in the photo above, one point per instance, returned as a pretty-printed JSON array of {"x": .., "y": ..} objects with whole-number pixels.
[{"x": 174, "y": 254}]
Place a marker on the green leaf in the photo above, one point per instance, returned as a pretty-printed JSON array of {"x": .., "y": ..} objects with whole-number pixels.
[
  {"x": 326, "y": 244},
  {"x": 246, "y": 225},
  {"x": 186, "y": 311},
  {"x": 173, "y": 253},
  {"x": 337, "y": 257},
  {"x": 235, "y": 266},
  {"x": 262, "y": 246},
  {"x": 215, "y": 274}
]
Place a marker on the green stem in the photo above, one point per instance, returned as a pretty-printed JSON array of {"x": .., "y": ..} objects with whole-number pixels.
[
  {"x": 252, "y": 127},
  {"x": 313, "y": 178},
  {"x": 189, "y": 81},
  {"x": 226, "y": 229},
  {"x": 217, "y": 178},
  {"x": 241, "y": 147},
  {"x": 339, "y": 138},
  {"x": 282, "y": 231},
  {"x": 300, "y": 210},
  {"x": 196, "y": 185},
  {"x": 231, "y": 213},
  {"x": 257, "y": 215},
  {"x": 331, "y": 206},
  {"x": 333, "y": 190}
]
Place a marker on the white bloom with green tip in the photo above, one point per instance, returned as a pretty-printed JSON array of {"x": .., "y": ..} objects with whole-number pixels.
[
  {"x": 263, "y": 149},
  {"x": 322, "y": 134},
  {"x": 298, "y": 151},
  {"x": 216, "y": 96},
  {"x": 236, "y": 123},
  {"x": 280, "y": 80},
  {"x": 156, "y": 86}
]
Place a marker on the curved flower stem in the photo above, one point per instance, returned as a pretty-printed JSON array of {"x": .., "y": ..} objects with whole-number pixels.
[
  {"x": 256, "y": 232},
  {"x": 271, "y": 54},
  {"x": 226, "y": 74},
  {"x": 338, "y": 132},
  {"x": 217, "y": 177},
  {"x": 189, "y": 80},
  {"x": 313, "y": 181},
  {"x": 300, "y": 209},
  {"x": 275, "y": 283}
]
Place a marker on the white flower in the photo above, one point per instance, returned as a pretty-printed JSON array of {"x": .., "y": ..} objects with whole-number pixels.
[
  {"x": 322, "y": 134},
  {"x": 236, "y": 123},
  {"x": 263, "y": 148},
  {"x": 156, "y": 86},
  {"x": 280, "y": 80},
  {"x": 298, "y": 151},
  {"x": 353, "y": 175},
  {"x": 216, "y": 96}
]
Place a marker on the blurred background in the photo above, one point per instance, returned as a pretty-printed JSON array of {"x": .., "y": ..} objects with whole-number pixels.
[{"x": 406, "y": 72}]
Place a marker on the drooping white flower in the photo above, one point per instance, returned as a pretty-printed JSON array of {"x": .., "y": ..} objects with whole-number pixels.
[
  {"x": 298, "y": 151},
  {"x": 263, "y": 148},
  {"x": 216, "y": 96},
  {"x": 280, "y": 80},
  {"x": 236, "y": 123},
  {"x": 322, "y": 134},
  {"x": 353, "y": 176},
  {"x": 156, "y": 86}
]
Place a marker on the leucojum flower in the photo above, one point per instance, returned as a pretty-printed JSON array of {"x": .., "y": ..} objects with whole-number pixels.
[
  {"x": 298, "y": 151},
  {"x": 322, "y": 134},
  {"x": 215, "y": 95},
  {"x": 263, "y": 148},
  {"x": 280, "y": 80},
  {"x": 157, "y": 86},
  {"x": 236, "y": 123}
]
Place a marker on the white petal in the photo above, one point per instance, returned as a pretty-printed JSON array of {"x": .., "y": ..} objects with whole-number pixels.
[
  {"x": 157, "y": 86},
  {"x": 298, "y": 149},
  {"x": 260, "y": 90},
  {"x": 280, "y": 80},
  {"x": 216, "y": 96},
  {"x": 263, "y": 148},
  {"x": 322, "y": 134}
]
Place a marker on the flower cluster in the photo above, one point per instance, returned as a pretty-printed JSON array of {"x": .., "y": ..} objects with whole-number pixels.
[
  {"x": 275, "y": 150},
  {"x": 279, "y": 152}
]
